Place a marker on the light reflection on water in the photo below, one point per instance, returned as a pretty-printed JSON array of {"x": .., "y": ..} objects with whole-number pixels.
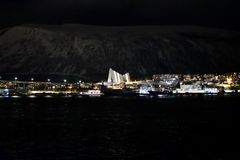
[
  {"x": 48, "y": 96},
  {"x": 32, "y": 96},
  {"x": 15, "y": 97},
  {"x": 160, "y": 96}
]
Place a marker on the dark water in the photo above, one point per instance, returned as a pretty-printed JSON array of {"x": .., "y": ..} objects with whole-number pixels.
[{"x": 119, "y": 128}]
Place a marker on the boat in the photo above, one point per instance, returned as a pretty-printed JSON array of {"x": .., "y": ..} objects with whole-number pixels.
[
  {"x": 92, "y": 93},
  {"x": 156, "y": 93}
]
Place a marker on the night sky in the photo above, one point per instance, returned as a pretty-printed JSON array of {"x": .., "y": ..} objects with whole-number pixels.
[{"x": 213, "y": 13}]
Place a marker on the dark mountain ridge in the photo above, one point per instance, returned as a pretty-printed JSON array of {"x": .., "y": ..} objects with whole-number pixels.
[{"x": 87, "y": 52}]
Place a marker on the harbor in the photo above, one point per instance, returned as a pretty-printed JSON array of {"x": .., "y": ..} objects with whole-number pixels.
[{"x": 121, "y": 85}]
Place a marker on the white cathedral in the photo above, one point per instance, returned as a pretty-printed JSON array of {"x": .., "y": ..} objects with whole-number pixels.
[{"x": 115, "y": 77}]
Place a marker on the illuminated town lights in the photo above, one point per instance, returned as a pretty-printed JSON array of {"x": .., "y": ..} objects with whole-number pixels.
[
  {"x": 70, "y": 87},
  {"x": 229, "y": 80}
]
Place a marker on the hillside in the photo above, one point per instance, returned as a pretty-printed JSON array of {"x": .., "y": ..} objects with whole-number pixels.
[{"x": 87, "y": 52}]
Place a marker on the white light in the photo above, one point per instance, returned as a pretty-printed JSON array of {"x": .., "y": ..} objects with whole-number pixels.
[
  {"x": 48, "y": 80},
  {"x": 15, "y": 97},
  {"x": 32, "y": 79},
  {"x": 65, "y": 81},
  {"x": 16, "y": 78},
  {"x": 48, "y": 96}
]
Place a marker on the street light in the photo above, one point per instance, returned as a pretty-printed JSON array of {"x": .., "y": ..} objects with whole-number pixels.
[
  {"x": 65, "y": 81},
  {"x": 49, "y": 80},
  {"x": 15, "y": 78},
  {"x": 32, "y": 79}
]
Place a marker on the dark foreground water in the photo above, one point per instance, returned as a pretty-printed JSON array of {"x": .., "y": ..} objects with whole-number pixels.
[{"x": 119, "y": 128}]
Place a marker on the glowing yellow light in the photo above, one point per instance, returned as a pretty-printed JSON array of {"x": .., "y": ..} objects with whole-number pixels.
[{"x": 229, "y": 80}]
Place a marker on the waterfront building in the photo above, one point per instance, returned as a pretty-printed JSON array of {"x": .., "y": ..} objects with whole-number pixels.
[
  {"x": 166, "y": 80},
  {"x": 190, "y": 87},
  {"x": 165, "y": 77},
  {"x": 115, "y": 77},
  {"x": 4, "y": 92},
  {"x": 144, "y": 89}
]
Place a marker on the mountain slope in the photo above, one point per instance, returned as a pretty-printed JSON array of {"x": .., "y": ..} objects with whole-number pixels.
[{"x": 88, "y": 52}]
